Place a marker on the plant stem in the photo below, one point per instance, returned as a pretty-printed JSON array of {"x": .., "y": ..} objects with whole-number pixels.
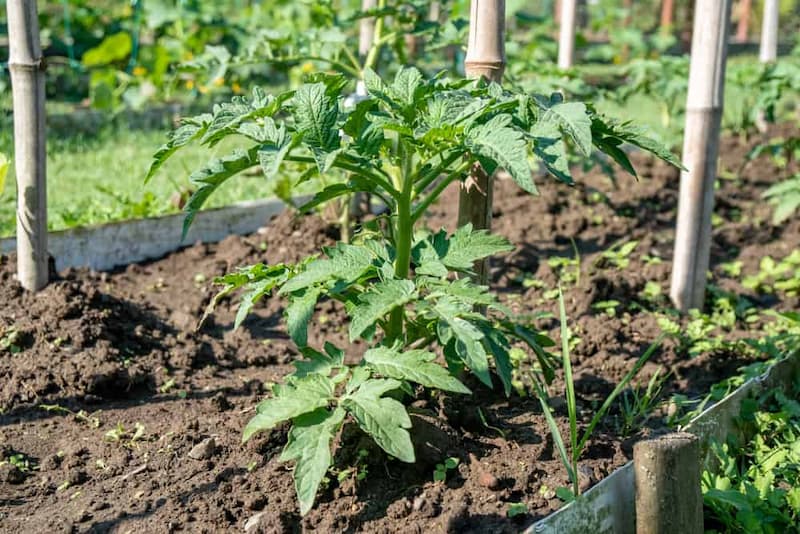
[
  {"x": 404, "y": 235},
  {"x": 419, "y": 210}
]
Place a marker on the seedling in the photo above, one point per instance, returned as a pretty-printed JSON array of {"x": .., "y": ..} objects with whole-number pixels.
[
  {"x": 516, "y": 509},
  {"x": 617, "y": 255},
  {"x": 578, "y": 441},
  {"x": 9, "y": 340},
  {"x": 440, "y": 473},
  {"x": 127, "y": 438},
  {"x": 637, "y": 406},
  {"x": 81, "y": 416},
  {"x": 607, "y": 306},
  {"x": 21, "y": 461}
]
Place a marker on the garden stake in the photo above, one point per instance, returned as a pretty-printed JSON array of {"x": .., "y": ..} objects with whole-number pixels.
[
  {"x": 485, "y": 58},
  {"x": 566, "y": 34},
  {"x": 700, "y": 149},
  {"x": 768, "y": 51},
  {"x": 27, "y": 66},
  {"x": 668, "y": 498}
]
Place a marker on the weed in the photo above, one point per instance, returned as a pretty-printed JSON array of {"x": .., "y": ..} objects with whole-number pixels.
[
  {"x": 637, "y": 406},
  {"x": 9, "y": 340},
  {"x": 440, "y": 473},
  {"x": 578, "y": 441},
  {"x": 618, "y": 255}
]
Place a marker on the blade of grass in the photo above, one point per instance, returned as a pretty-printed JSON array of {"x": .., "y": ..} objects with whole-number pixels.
[{"x": 557, "y": 439}]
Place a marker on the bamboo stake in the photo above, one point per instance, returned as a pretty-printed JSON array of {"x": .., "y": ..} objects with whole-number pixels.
[
  {"x": 667, "y": 471},
  {"x": 27, "y": 66},
  {"x": 667, "y": 16},
  {"x": 769, "y": 32},
  {"x": 700, "y": 149},
  {"x": 366, "y": 31},
  {"x": 566, "y": 34},
  {"x": 485, "y": 58},
  {"x": 743, "y": 24}
]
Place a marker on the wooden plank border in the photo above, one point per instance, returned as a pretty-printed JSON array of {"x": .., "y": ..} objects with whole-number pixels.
[{"x": 104, "y": 247}]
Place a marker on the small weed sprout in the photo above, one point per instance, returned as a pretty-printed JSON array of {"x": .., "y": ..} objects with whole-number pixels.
[
  {"x": 637, "y": 406},
  {"x": 440, "y": 473},
  {"x": 617, "y": 255}
]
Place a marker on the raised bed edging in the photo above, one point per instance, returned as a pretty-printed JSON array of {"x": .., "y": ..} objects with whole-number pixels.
[
  {"x": 106, "y": 246},
  {"x": 610, "y": 506}
]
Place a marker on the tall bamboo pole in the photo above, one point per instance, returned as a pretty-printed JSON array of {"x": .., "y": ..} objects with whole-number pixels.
[
  {"x": 769, "y": 32},
  {"x": 743, "y": 24},
  {"x": 700, "y": 149},
  {"x": 486, "y": 58},
  {"x": 27, "y": 66},
  {"x": 566, "y": 34}
]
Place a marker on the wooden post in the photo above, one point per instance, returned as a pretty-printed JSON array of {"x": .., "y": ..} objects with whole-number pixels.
[
  {"x": 486, "y": 58},
  {"x": 700, "y": 149},
  {"x": 769, "y": 32},
  {"x": 667, "y": 16},
  {"x": 27, "y": 66},
  {"x": 566, "y": 34},
  {"x": 743, "y": 24},
  {"x": 366, "y": 31},
  {"x": 667, "y": 470}
]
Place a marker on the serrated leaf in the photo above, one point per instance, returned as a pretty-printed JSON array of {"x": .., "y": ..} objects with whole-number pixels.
[
  {"x": 383, "y": 418},
  {"x": 505, "y": 146},
  {"x": 347, "y": 262},
  {"x": 571, "y": 118},
  {"x": 315, "y": 114},
  {"x": 213, "y": 175},
  {"x": 551, "y": 150},
  {"x": 228, "y": 116},
  {"x": 378, "y": 302},
  {"x": 466, "y": 339},
  {"x": 300, "y": 396},
  {"x": 498, "y": 347},
  {"x": 406, "y": 85},
  {"x": 309, "y": 445},
  {"x": 299, "y": 313},
  {"x": 415, "y": 366},
  {"x": 467, "y": 246},
  {"x": 182, "y": 136}
]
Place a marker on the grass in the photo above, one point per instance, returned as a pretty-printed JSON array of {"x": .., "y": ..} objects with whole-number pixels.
[{"x": 99, "y": 178}]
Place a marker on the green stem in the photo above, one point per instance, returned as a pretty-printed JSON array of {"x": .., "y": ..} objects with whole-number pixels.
[
  {"x": 425, "y": 180},
  {"x": 372, "y": 55},
  {"x": 404, "y": 235}
]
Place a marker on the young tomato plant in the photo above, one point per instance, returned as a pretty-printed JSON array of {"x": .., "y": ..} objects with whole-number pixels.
[{"x": 406, "y": 291}]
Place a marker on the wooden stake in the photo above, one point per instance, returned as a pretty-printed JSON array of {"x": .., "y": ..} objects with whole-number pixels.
[
  {"x": 566, "y": 34},
  {"x": 743, "y": 24},
  {"x": 27, "y": 66},
  {"x": 668, "y": 497},
  {"x": 769, "y": 32},
  {"x": 366, "y": 30},
  {"x": 700, "y": 150},
  {"x": 485, "y": 58},
  {"x": 667, "y": 16}
]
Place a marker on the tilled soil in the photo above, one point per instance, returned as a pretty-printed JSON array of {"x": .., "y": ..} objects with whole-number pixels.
[{"x": 131, "y": 417}]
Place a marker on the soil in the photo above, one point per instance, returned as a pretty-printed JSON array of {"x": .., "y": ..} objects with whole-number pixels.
[{"x": 130, "y": 416}]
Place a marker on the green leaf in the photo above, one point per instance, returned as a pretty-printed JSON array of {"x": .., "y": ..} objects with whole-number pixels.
[
  {"x": 315, "y": 114},
  {"x": 299, "y": 313},
  {"x": 406, "y": 85},
  {"x": 213, "y": 175},
  {"x": 4, "y": 164},
  {"x": 178, "y": 138},
  {"x": 466, "y": 246},
  {"x": 113, "y": 48},
  {"x": 347, "y": 262},
  {"x": 383, "y": 418},
  {"x": 378, "y": 302},
  {"x": 549, "y": 147},
  {"x": 297, "y": 397},
  {"x": 415, "y": 366},
  {"x": 498, "y": 347},
  {"x": 572, "y": 118},
  {"x": 464, "y": 338},
  {"x": 503, "y": 145},
  {"x": 310, "y": 446},
  {"x": 228, "y": 117}
]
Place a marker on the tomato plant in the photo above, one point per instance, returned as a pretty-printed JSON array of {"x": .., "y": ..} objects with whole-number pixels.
[{"x": 405, "y": 290}]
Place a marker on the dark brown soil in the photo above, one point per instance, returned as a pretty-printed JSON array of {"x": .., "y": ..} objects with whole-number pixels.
[{"x": 138, "y": 387}]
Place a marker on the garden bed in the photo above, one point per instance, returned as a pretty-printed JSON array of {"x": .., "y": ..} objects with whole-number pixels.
[{"x": 137, "y": 387}]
